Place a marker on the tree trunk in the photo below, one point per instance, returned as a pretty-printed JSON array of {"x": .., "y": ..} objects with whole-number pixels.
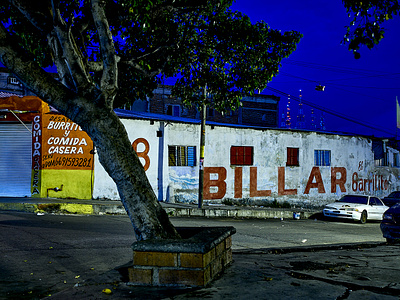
[{"x": 116, "y": 154}]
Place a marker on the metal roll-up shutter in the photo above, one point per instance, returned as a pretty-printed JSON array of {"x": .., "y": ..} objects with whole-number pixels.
[{"x": 15, "y": 160}]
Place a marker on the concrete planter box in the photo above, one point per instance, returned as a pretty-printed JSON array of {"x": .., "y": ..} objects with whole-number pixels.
[{"x": 200, "y": 256}]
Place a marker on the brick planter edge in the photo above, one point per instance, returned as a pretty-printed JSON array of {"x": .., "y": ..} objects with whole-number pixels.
[{"x": 200, "y": 256}]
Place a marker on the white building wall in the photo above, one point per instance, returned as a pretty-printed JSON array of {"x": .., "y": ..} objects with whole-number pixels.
[
  {"x": 144, "y": 133},
  {"x": 303, "y": 185}
]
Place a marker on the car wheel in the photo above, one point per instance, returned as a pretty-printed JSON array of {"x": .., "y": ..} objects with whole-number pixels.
[{"x": 364, "y": 217}]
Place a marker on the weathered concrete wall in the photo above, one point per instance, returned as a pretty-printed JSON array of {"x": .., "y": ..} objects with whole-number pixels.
[
  {"x": 352, "y": 168},
  {"x": 183, "y": 182},
  {"x": 270, "y": 162}
]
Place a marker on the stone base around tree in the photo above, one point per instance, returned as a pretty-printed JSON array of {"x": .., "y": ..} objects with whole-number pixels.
[{"x": 200, "y": 256}]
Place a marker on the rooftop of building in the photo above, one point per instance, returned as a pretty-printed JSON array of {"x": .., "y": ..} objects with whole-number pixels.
[
  {"x": 7, "y": 95},
  {"x": 128, "y": 114}
]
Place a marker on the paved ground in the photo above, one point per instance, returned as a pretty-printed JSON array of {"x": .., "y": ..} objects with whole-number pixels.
[
  {"x": 357, "y": 273},
  {"x": 53, "y": 256}
]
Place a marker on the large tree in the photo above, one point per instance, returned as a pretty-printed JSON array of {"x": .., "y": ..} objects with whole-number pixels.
[{"x": 110, "y": 52}]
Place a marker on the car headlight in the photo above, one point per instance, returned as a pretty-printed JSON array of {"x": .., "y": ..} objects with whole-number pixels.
[
  {"x": 387, "y": 217},
  {"x": 352, "y": 209}
]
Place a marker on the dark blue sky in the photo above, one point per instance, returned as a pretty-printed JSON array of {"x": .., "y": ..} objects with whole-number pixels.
[{"x": 363, "y": 89}]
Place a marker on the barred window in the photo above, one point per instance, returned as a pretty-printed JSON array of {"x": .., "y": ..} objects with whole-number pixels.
[
  {"x": 182, "y": 156},
  {"x": 241, "y": 155},
  {"x": 322, "y": 157},
  {"x": 292, "y": 157}
]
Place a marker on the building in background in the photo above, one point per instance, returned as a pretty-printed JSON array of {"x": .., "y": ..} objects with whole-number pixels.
[
  {"x": 258, "y": 110},
  {"x": 10, "y": 86}
]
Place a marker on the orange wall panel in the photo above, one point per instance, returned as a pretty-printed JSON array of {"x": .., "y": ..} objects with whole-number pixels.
[{"x": 65, "y": 145}]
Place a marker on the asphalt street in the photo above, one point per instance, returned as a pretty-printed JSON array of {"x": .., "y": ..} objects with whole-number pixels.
[{"x": 77, "y": 256}]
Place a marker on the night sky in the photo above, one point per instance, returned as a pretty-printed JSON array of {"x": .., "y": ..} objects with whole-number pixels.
[{"x": 364, "y": 90}]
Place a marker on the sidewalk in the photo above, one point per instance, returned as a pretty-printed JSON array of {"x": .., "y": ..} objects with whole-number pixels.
[
  {"x": 99, "y": 207},
  {"x": 341, "y": 272}
]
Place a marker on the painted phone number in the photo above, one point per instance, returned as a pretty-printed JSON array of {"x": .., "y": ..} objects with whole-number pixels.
[{"x": 79, "y": 162}]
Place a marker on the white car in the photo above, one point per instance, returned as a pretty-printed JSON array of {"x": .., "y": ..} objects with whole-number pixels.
[{"x": 355, "y": 207}]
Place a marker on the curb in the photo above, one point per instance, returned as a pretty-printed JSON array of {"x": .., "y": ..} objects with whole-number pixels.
[
  {"x": 233, "y": 212},
  {"x": 93, "y": 207},
  {"x": 64, "y": 208}
]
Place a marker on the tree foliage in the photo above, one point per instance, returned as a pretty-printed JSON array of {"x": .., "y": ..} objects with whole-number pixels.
[
  {"x": 366, "y": 28},
  {"x": 232, "y": 57},
  {"x": 158, "y": 37}
]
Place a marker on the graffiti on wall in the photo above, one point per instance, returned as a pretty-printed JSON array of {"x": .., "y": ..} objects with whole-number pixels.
[
  {"x": 65, "y": 145},
  {"x": 373, "y": 183}
]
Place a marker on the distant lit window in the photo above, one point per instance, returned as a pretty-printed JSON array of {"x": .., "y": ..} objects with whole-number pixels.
[
  {"x": 292, "y": 157},
  {"x": 241, "y": 155},
  {"x": 182, "y": 156},
  {"x": 12, "y": 80},
  {"x": 322, "y": 157}
]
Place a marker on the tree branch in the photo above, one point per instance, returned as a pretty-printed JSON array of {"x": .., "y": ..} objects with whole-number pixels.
[
  {"x": 40, "y": 19},
  {"x": 109, "y": 79},
  {"x": 29, "y": 73},
  {"x": 146, "y": 73}
]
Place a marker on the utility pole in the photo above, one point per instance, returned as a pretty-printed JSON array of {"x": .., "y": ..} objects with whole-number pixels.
[{"x": 202, "y": 144}]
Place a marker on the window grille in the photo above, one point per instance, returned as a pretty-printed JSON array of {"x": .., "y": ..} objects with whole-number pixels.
[
  {"x": 182, "y": 156},
  {"x": 322, "y": 157}
]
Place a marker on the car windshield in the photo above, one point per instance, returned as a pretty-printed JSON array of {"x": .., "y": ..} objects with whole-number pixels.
[{"x": 354, "y": 199}]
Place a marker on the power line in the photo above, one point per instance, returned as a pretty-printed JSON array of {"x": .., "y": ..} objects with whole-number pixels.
[
  {"x": 365, "y": 87},
  {"x": 338, "y": 69},
  {"x": 335, "y": 85},
  {"x": 347, "y": 91},
  {"x": 338, "y": 79},
  {"x": 331, "y": 112}
]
